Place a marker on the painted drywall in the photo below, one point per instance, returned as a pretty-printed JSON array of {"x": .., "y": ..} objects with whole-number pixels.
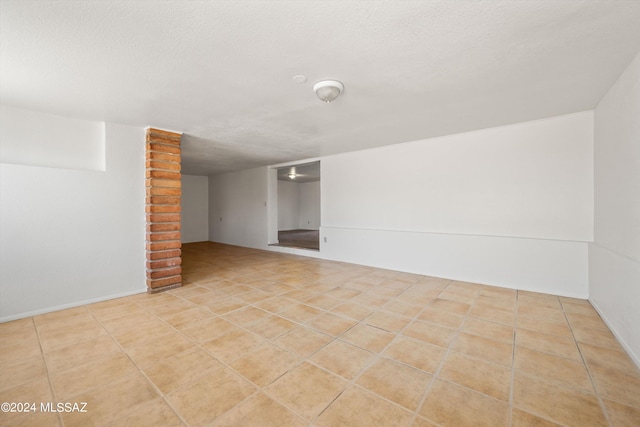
[
  {"x": 614, "y": 257},
  {"x": 37, "y": 139},
  {"x": 238, "y": 212},
  {"x": 532, "y": 180},
  {"x": 69, "y": 236},
  {"x": 195, "y": 208},
  {"x": 309, "y": 205},
  {"x": 288, "y": 205}
]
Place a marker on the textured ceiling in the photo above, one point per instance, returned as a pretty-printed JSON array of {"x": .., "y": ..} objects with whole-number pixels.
[{"x": 221, "y": 71}]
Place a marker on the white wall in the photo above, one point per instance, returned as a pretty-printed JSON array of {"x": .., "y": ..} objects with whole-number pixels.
[
  {"x": 238, "y": 213},
  {"x": 298, "y": 205},
  {"x": 309, "y": 205},
  {"x": 510, "y": 206},
  {"x": 614, "y": 257},
  {"x": 71, "y": 236},
  {"x": 195, "y": 208},
  {"x": 37, "y": 139},
  {"x": 288, "y": 205}
]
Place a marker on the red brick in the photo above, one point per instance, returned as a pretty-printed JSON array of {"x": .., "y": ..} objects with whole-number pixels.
[
  {"x": 165, "y": 157},
  {"x": 162, "y": 200},
  {"x": 156, "y": 255},
  {"x": 166, "y": 281},
  {"x": 163, "y": 191},
  {"x": 158, "y": 237},
  {"x": 159, "y": 217},
  {"x": 171, "y": 262},
  {"x": 167, "y": 166},
  {"x": 163, "y": 226},
  {"x": 164, "y": 272},
  {"x": 171, "y": 183},
  {"x": 162, "y": 148},
  {"x": 162, "y": 208},
  {"x": 163, "y": 246},
  {"x": 154, "y": 173}
]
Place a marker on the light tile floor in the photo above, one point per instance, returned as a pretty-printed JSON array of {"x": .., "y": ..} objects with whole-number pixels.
[{"x": 257, "y": 338}]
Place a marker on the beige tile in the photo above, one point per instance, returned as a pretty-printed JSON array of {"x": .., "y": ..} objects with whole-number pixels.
[
  {"x": 18, "y": 342},
  {"x": 622, "y": 415},
  {"x": 174, "y": 372},
  {"x": 556, "y": 403},
  {"x": 343, "y": 358},
  {"x": 260, "y": 411},
  {"x": 493, "y": 314},
  {"x": 552, "y": 344},
  {"x": 151, "y": 414},
  {"x": 403, "y": 309},
  {"x": 33, "y": 419},
  {"x": 616, "y": 385},
  {"x": 275, "y": 304},
  {"x": 488, "y": 378},
  {"x": 360, "y": 408},
  {"x": 397, "y": 382},
  {"x": 91, "y": 374},
  {"x": 453, "y": 307},
  {"x": 141, "y": 332},
  {"x": 372, "y": 299},
  {"x": 484, "y": 348},
  {"x": 387, "y": 321},
  {"x": 595, "y": 337},
  {"x": 265, "y": 363},
  {"x": 444, "y": 401},
  {"x": 107, "y": 403},
  {"x": 552, "y": 368},
  {"x": 271, "y": 326},
  {"x": 221, "y": 306},
  {"x": 207, "y": 329},
  {"x": 18, "y": 372},
  {"x": 342, "y": 293},
  {"x": 150, "y": 352},
  {"x": 307, "y": 389},
  {"x": 416, "y": 353},
  {"x": 441, "y": 318},
  {"x": 188, "y": 317},
  {"x": 300, "y": 313},
  {"x": 608, "y": 358},
  {"x": 422, "y": 422},
  {"x": 110, "y": 309},
  {"x": 61, "y": 336},
  {"x": 491, "y": 330},
  {"x": 543, "y": 311},
  {"x": 323, "y": 302},
  {"x": 524, "y": 419},
  {"x": 368, "y": 337},
  {"x": 431, "y": 333},
  {"x": 352, "y": 310},
  {"x": 34, "y": 391},
  {"x": 587, "y": 321},
  {"x": 245, "y": 315},
  {"x": 583, "y": 308},
  {"x": 66, "y": 357},
  {"x": 303, "y": 341},
  {"x": 232, "y": 345},
  {"x": 331, "y": 324},
  {"x": 214, "y": 394},
  {"x": 550, "y": 327}
]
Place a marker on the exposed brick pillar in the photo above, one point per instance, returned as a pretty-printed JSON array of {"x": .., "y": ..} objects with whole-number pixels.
[{"x": 163, "y": 210}]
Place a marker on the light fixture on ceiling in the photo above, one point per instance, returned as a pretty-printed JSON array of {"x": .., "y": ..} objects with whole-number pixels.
[
  {"x": 328, "y": 90},
  {"x": 292, "y": 176}
]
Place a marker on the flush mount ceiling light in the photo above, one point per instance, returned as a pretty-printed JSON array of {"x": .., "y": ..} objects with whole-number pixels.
[{"x": 328, "y": 90}]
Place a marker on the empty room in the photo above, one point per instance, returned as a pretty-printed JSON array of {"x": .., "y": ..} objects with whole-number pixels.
[{"x": 320, "y": 213}]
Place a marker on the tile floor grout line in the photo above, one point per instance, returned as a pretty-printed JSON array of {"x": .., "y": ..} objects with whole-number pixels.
[
  {"x": 587, "y": 368},
  {"x": 46, "y": 367}
]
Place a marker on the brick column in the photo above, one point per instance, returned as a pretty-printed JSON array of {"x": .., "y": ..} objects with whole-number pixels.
[{"x": 163, "y": 182}]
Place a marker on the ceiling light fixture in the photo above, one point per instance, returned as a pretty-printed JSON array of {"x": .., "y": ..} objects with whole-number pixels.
[
  {"x": 328, "y": 90},
  {"x": 292, "y": 176}
]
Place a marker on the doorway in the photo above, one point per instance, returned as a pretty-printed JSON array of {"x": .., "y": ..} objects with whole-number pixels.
[{"x": 299, "y": 206}]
